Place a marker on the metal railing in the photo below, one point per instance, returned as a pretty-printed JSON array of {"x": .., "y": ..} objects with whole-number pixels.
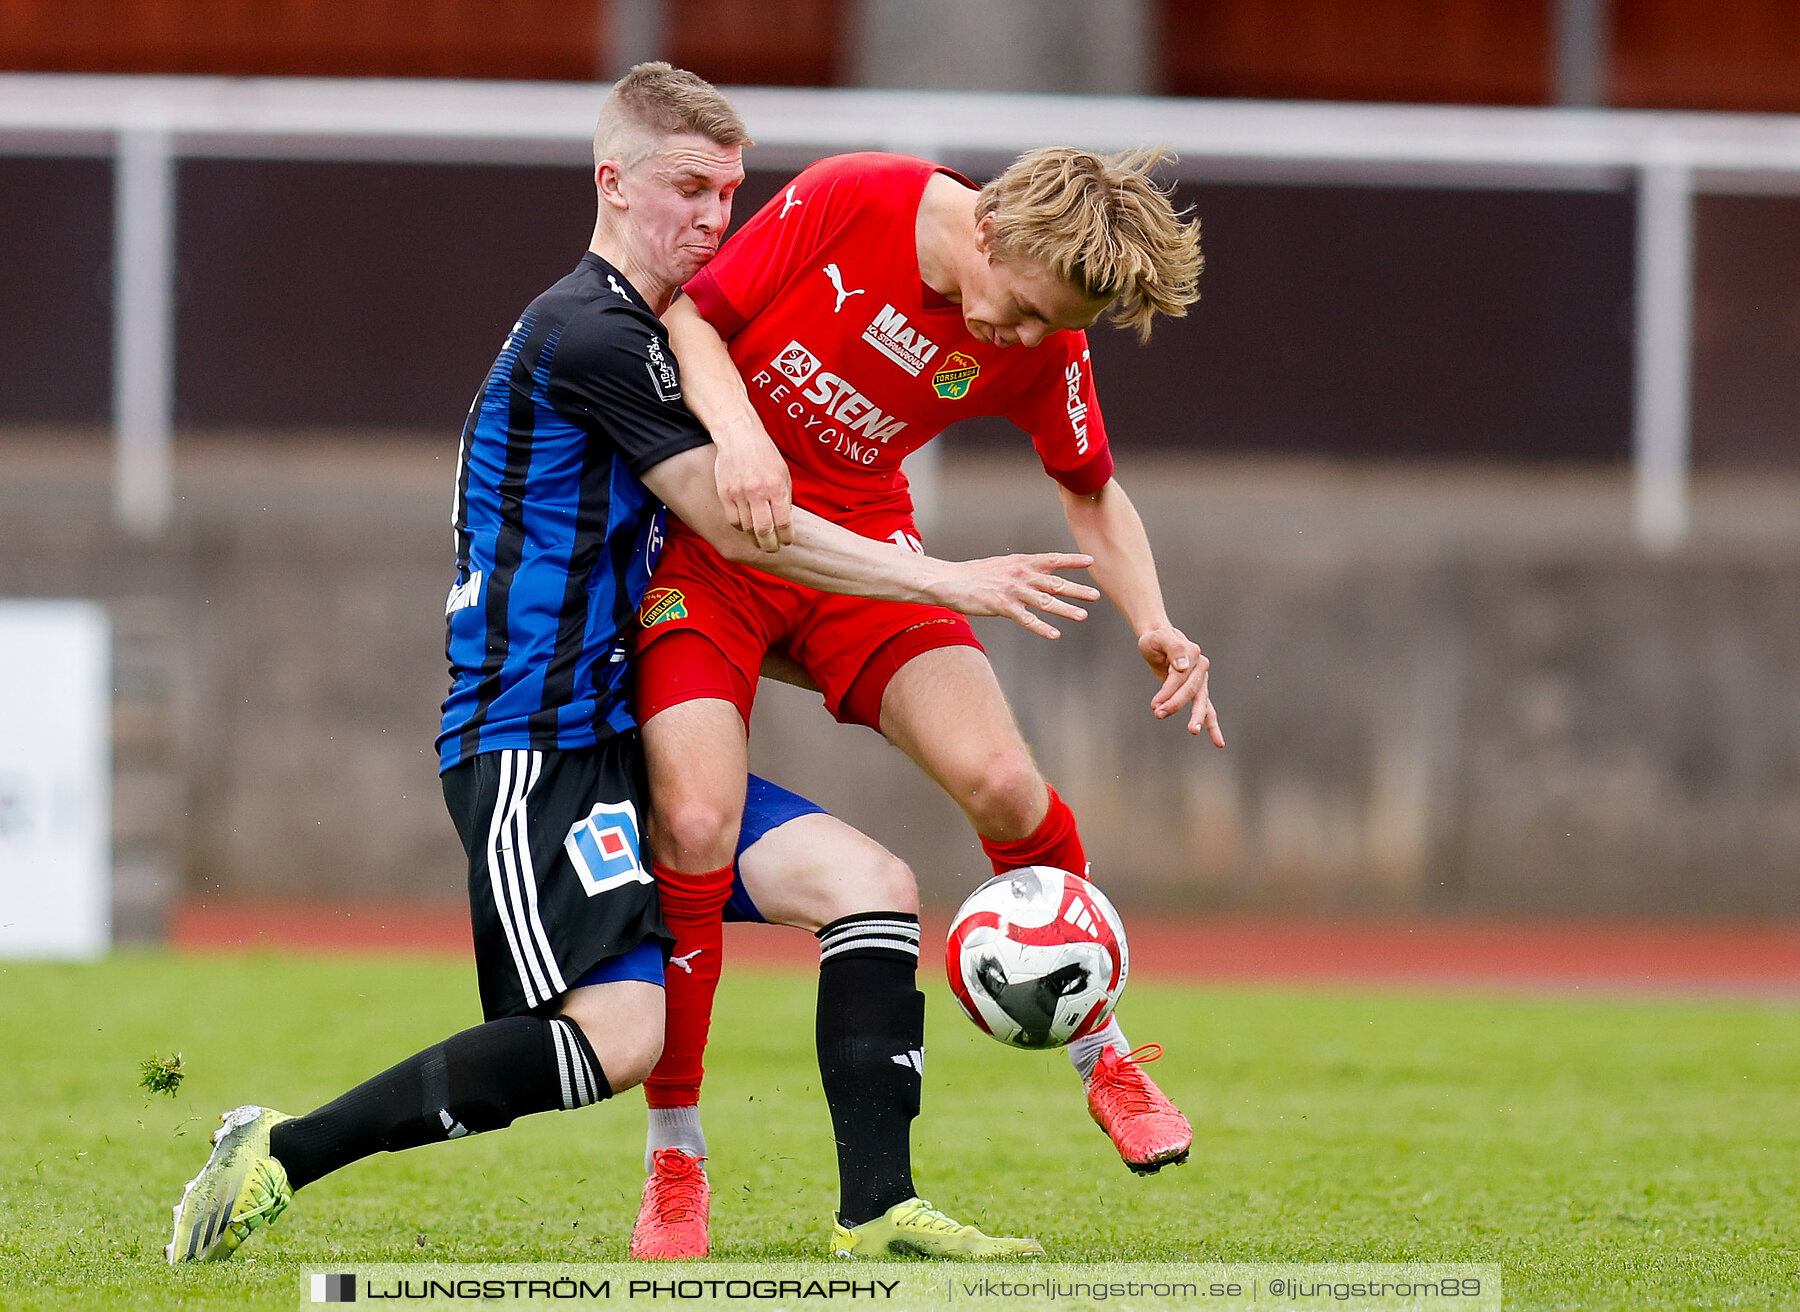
[{"x": 145, "y": 123}]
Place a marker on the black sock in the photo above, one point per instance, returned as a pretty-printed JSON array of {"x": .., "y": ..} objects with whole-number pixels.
[
  {"x": 481, "y": 1079},
  {"x": 871, "y": 1035}
]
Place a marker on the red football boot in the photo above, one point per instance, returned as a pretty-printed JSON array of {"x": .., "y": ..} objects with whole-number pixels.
[
  {"x": 1148, "y": 1130},
  {"x": 672, "y": 1216}
]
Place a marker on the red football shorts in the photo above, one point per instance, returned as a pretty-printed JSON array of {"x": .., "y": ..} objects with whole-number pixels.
[{"x": 731, "y": 615}]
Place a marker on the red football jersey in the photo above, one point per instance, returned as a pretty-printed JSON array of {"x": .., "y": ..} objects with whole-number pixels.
[{"x": 853, "y": 362}]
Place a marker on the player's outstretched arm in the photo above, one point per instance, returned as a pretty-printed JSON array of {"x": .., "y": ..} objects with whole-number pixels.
[
  {"x": 833, "y": 559},
  {"x": 752, "y": 477},
  {"x": 1106, "y": 526}
]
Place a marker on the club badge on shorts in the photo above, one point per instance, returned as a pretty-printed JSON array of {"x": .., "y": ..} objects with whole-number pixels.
[
  {"x": 604, "y": 848},
  {"x": 662, "y": 604}
]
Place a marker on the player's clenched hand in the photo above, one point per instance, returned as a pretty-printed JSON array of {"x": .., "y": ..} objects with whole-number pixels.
[
  {"x": 1017, "y": 587},
  {"x": 1182, "y": 668},
  {"x": 756, "y": 490}
]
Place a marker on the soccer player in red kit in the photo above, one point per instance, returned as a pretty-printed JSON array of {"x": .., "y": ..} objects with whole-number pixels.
[{"x": 868, "y": 306}]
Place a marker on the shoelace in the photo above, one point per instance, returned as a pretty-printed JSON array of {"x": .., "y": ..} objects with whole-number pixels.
[
  {"x": 272, "y": 1200},
  {"x": 927, "y": 1217},
  {"x": 1123, "y": 1081},
  {"x": 679, "y": 1179}
]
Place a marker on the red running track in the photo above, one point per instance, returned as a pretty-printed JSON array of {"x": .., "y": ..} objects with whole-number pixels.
[{"x": 1611, "y": 956}]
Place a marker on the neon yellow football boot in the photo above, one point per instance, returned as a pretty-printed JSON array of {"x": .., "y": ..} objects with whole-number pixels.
[
  {"x": 239, "y": 1189},
  {"x": 917, "y": 1229}
]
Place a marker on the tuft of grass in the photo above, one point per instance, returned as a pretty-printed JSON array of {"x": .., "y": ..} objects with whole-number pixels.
[
  {"x": 1635, "y": 1154},
  {"x": 161, "y": 1074}
]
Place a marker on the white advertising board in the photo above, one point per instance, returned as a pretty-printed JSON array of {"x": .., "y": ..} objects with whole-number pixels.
[{"x": 55, "y": 779}]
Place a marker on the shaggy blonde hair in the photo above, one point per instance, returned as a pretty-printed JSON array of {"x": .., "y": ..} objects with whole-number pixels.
[
  {"x": 1101, "y": 225},
  {"x": 657, "y": 100}
]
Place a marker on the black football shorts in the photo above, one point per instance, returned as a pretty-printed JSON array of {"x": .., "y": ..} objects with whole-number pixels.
[{"x": 559, "y": 881}]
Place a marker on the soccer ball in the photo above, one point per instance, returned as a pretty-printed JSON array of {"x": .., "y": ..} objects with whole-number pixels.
[{"x": 1037, "y": 957}]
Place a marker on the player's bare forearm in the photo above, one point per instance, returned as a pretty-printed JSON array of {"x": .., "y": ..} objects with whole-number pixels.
[
  {"x": 826, "y": 556},
  {"x": 710, "y": 383},
  {"x": 752, "y": 477},
  {"x": 822, "y": 555},
  {"x": 1107, "y": 527}
]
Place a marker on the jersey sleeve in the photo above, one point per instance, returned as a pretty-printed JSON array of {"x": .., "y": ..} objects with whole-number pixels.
[
  {"x": 1061, "y": 411},
  {"x": 614, "y": 376},
  {"x": 779, "y": 241}
]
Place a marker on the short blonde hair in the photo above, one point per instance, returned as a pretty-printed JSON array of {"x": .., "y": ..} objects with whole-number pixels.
[
  {"x": 1102, "y": 225},
  {"x": 657, "y": 100}
]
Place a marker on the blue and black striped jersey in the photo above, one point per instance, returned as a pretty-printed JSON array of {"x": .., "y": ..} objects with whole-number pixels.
[{"x": 554, "y": 531}]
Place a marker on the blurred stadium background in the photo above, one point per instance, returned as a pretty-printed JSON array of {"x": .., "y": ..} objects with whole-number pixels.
[{"x": 1387, "y": 462}]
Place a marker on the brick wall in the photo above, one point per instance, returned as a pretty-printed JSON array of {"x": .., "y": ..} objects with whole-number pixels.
[
  {"x": 315, "y": 38},
  {"x": 1727, "y": 54}
]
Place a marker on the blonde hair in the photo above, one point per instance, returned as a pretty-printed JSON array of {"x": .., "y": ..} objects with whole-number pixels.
[
  {"x": 657, "y": 100},
  {"x": 1101, "y": 225}
]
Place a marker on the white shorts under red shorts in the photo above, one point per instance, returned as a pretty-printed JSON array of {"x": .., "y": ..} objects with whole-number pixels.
[{"x": 705, "y": 625}]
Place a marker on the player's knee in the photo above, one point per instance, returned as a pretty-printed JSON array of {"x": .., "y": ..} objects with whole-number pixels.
[
  {"x": 882, "y": 883},
  {"x": 694, "y": 833},
  {"x": 1005, "y": 795},
  {"x": 627, "y": 1041},
  {"x": 891, "y": 886},
  {"x": 627, "y": 1052},
  {"x": 632, "y": 1059}
]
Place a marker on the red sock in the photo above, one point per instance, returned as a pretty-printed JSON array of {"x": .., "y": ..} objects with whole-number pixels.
[
  {"x": 692, "y": 905},
  {"x": 1053, "y": 843}
]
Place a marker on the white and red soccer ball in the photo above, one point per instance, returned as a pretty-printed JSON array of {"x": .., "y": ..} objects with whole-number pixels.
[{"x": 1037, "y": 957}]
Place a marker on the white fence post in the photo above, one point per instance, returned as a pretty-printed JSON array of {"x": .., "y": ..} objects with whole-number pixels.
[
  {"x": 143, "y": 330},
  {"x": 636, "y": 31},
  {"x": 1583, "y": 31},
  {"x": 1664, "y": 353}
]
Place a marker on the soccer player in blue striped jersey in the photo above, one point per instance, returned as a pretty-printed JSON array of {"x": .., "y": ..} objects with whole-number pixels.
[{"x": 577, "y": 433}]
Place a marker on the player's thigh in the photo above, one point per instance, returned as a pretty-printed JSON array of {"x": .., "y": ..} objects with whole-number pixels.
[
  {"x": 944, "y": 708},
  {"x": 816, "y": 869},
  {"x": 557, "y": 880},
  {"x": 698, "y": 756},
  {"x": 623, "y": 1022}
]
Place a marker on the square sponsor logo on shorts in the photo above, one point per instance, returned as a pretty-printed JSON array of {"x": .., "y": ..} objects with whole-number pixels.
[
  {"x": 796, "y": 363},
  {"x": 605, "y": 848}
]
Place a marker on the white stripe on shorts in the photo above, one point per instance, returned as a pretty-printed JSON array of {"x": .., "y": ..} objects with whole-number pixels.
[
  {"x": 514, "y": 848},
  {"x": 496, "y": 872},
  {"x": 533, "y": 919}
]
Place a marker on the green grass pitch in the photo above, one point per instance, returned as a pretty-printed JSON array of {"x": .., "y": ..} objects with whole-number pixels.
[{"x": 1609, "y": 1153}]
